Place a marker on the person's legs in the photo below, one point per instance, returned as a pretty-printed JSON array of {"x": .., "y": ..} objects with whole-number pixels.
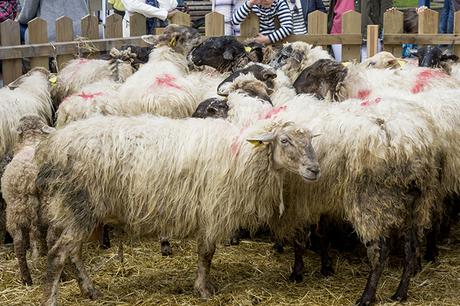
[
  {"x": 337, "y": 50},
  {"x": 450, "y": 17}
]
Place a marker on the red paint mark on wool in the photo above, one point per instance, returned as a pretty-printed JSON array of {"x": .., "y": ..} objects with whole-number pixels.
[
  {"x": 363, "y": 94},
  {"x": 166, "y": 80},
  {"x": 82, "y": 61},
  {"x": 274, "y": 111},
  {"x": 423, "y": 77},
  {"x": 371, "y": 102},
  {"x": 89, "y": 96}
]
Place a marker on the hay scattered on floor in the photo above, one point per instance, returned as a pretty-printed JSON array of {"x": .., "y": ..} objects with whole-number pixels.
[{"x": 248, "y": 274}]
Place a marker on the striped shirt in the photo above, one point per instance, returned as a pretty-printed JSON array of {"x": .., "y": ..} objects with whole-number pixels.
[
  {"x": 297, "y": 17},
  {"x": 226, "y": 8},
  {"x": 279, "y": 8}
]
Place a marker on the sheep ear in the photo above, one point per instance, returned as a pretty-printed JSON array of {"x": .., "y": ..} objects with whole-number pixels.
[
  {"x": 224, "y": 89},
  {"x": 260, "y": 139},
  {"x": 16, "y": 83},
  {"x": 268, "y": 75},
  {"x": 47, "y": 129},
  {"x": 228, "y": 54},
  {"x": 150, "y": 39}
]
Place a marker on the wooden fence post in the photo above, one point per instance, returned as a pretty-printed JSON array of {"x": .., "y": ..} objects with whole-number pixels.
[
  {"x": 214, "y": 24},
  {"x": 181, "y": 19},
  {"x": 250, "y": 27},
  {"x": 137, "y": 25},
  {"x": 428, "y": 22},
  {"x": 317, "y": 23},
  {"x": 393, "y": 24},
  {"x": 11, "y": 69},
  {"x": 38, "y": 33},
  {"x": 372, "y": 39},
  {"x": 90, "y": 27},
  {"x": 351, "y": 24},
  {"x": 113, "y": 26},
  {"x": 457, "y": 31},
  {"x": 64, "y": 32}
]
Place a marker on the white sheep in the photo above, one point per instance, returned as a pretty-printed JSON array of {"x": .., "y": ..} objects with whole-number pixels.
[
  {"x": 206, "y": 181},
  {"x": 95, "y": 99},
  {"x": 25, "y": 216},
  {"x": 379, "y": 164}
]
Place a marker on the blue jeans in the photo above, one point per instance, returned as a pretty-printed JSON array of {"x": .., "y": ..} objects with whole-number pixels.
[
  {"x": 446, "y": 23},
  {"x": 423, "y": 3}
]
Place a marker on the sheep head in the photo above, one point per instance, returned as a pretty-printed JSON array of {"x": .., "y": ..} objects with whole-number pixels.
[
  {"x": 291, "y": 149},
  {"x": 212, "y": 108},
  {"x": 382, "y": 60},
  {"x": 434, "y": 57},
  {"x": 34, "y": 73},
  {"x": 32, "y": 126}
]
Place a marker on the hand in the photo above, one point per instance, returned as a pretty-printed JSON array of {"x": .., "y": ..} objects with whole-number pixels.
[
  {"x": 262, "y": 39},
  {"x": 421, "y": 9},
  {"x": 391, "y": 9},
  {"x": 172, "y": 13}
]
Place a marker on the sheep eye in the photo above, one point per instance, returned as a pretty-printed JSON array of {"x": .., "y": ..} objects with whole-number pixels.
[{"x": 284, "y": 140}]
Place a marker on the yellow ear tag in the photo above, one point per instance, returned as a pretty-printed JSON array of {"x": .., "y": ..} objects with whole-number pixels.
[
  {"x": 172, "y": 42},
  {"x": 255, "y": 143},
  {"x": 346, "y": 64},
  {"x": 401, "y": 63},
  {"x": 247, "y": 49},
  {"x": 53, "y": 80}
]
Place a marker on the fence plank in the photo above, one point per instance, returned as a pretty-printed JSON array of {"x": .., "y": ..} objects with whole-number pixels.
[
  {"x": 9, "y": 32},
  {"x": 94, "y": 6},
  {"x": 113, "y": 26},
  {"x": 372, "y": 39},
  {"x": 38, "y": 33},
  {"x": 181, "y": 19},
  {"x": 457, "y": 31},
  {"x": 250, "y": 27},
  {"x": 90, "y": 27},
  {"x": 393, "y": 24},
  {"x": 137, "y": 25},
  {"x": 64, "y": 32},
  {"x": 351, "y": 24},
  {"x": 423, "y": 39},
  {"x": 317, "y": 23},
  {"x": 428, "y": 21},
  {"x": 214, "y": 24}
]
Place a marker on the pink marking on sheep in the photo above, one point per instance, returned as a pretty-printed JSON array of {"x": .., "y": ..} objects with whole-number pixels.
[
  {"x": 89, "y": 96},
  {"x": 273, "y": 112},
  {"x": 371, "y": 102},
  {"x": 423, "y": 77},
  {"x": 363, "y": 94},
  {"x": 166, "y": 80}
]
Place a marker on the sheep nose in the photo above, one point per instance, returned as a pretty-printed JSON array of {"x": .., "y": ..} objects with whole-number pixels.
[{"x": 313, "y": 169}]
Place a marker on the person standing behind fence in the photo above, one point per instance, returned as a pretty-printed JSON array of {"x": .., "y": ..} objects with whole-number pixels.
[
  {"x": 118, "y": 7},
  {"x": 446, "y": 21},
  {"x": 160, "y": 9},
  {"x": 300, "y": 10},
  {"x": 8, "y": 9},
  {"x": 267, "y": 10},
  {"x": 227, "y": 8},
  {"x": 424, "y": 3},
  {"x": 336, "y": 10},
  {"x": 50, "y": 10}
]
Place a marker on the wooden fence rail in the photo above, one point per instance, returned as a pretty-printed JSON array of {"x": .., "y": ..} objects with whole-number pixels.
[{"x": 39, "y": 50}]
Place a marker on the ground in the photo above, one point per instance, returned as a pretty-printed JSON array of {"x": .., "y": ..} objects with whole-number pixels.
[{"x": 248, "y": 274}]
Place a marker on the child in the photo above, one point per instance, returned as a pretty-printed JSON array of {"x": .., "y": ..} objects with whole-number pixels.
[{"x": 267, "y": 10}]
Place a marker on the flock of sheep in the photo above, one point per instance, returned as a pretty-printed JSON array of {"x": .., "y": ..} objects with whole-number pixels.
[{"x": 280, "y": 138}]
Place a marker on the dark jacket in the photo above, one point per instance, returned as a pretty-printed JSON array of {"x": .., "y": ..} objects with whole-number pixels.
[
  {"x": 312, "y": 5},
  {"x": 371, "y": 13}
]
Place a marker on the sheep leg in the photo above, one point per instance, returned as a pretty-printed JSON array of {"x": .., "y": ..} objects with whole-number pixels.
[
  {"x": 377, "y": 252},
  {"x": 278, "y": 247},
  {"x": 57, "y": 256},
  {"x": 234, "y": 239},
  {"x": 165, "y": 246},
  {"x": 324, "y": 245},
  {"x": 2, "y": 220},
  {"x": 299, "y": 267},
  {"x": 432, "y": 240},
  {"x": 20, "y": 249},
  {"x": 105, "y": 238},
  {"x": 202, "y": 283},
  {"x": 409, "y": 265},
  {"x": 87, "y": 287}
]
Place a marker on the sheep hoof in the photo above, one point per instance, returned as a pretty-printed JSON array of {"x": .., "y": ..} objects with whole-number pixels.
[
  {"x": 93, "y": 294},
  {"x": 327, "y": 271},
  {"x": 363, "y": 302},
  {"x": 399, "y": 297},
  {"x": 206, "y": 290},
  {"x": 296, "y": 277},
  {"x": 278, "y": 247},
  {"x": 27, "y": 281},
  {"x": 234, "y": 241},
  {"x": 166, "y": 250}
]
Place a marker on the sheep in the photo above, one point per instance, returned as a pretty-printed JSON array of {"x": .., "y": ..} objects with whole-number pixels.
[
  {"x": 80, "y": 72},
  {"x": 188, "y": 181},
  {"x": 95, "y": 99},
  {"x": 3, "y": 163},
  {"x": 24, "y": 213},
  {"x": 379, "y": 166},
  {"x": 29, "y": 94},
  {"x": 382, "y": 60},
  {"x": 212, "y": 108}
]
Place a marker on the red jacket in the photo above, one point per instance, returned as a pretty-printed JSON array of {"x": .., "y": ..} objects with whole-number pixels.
[{"x": 8, "y": 9}]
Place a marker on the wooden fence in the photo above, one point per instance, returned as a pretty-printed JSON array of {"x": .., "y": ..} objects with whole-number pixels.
[{"x": 39, "y": 50}]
